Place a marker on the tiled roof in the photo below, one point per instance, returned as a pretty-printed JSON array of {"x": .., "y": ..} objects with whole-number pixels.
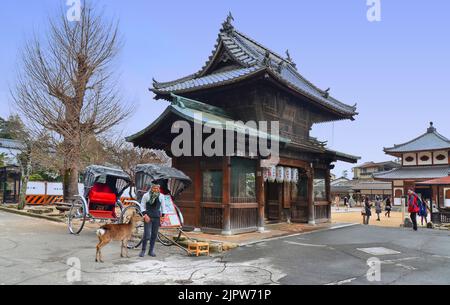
[
  {"x": 373, "y": 185},
  {"x": 431, "y": 140},
  {"x": 252, "y": 57},
  {"x": 414, "y": 172},
  {"x": 357, "y": 185},
  {"x": 439, "y": 181},
  {"x": 216, "y": 117},
  {"x": 379, "y": 164},
  {"x": 208, "y": 80}
]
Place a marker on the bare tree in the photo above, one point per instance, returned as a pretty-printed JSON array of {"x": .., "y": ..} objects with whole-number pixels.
[{"x": 66, "y": 85}]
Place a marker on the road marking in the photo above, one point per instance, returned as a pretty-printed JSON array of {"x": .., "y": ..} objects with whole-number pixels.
[
  {"x": 406, "y": 267},
  {"x": 347, "y": 281},
  {"x": 300, "y": 234},
  {"x": 392, "y": 261},
  {"x": 376, "y": 251},
  {"x": 440, "y": 256},
  {"x": 305, "y": 245},
  {"x": 344, "y": 226}
]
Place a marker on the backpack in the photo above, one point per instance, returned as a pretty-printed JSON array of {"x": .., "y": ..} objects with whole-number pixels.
[{"x": 422, "y": 208}]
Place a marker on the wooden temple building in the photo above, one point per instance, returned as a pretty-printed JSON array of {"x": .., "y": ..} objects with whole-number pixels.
[
  {"x": 425, "y": 167},
  {"x": 245, "y": 81}
]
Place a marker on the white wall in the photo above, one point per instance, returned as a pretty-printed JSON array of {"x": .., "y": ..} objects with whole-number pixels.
[{"x": 53, "y": 188}]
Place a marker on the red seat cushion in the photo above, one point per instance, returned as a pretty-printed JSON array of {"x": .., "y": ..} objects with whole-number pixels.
[{"x": 102, "y": 193}]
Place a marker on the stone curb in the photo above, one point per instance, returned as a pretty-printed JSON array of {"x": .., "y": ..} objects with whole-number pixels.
[{"x": 23, "y": 213}]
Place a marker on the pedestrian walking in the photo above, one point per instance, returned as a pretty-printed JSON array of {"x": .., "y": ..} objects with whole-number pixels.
[
  {"x": 346, "y": 203},
  {"x": 337, "y": 201},
  {"x": 413, "y": 207},
  {"x": 378, "y": 208},
  {"x": 388, "y": 207},
  {"x": 351, "y": 202},
  {"x": 423, "y": 211},
  {"x": 366, "y": 211}
]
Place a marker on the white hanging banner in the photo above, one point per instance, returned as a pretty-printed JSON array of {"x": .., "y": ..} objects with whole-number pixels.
[
  {"x": 272, "y": 174},
  {"x": 288, "y": 174},
  {"x": 295, "y": 176},
  {"x": 280, "y": 174}
]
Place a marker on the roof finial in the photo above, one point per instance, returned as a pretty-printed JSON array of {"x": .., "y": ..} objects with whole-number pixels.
[
  {"x": 155, "y": 83},
  {"x": 288, "y": 56},
  {"x": 326, "y": 93},
  {"x": 290, "y": 60},
  {"x": 431, "y": 129},
  {"x": 227, "y": 26}
]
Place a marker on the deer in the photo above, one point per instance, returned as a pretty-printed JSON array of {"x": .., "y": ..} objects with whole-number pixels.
[{"x": 116, "y": 232}]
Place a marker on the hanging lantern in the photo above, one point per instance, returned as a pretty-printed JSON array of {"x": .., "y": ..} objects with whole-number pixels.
[
  {"x": 288, "y": 174},
  {"x": 272, "y": 174},
  {"x": 265, "y": 174},
  {"x": 280, "y": 174},
  {"x": 295, "y": 175}
]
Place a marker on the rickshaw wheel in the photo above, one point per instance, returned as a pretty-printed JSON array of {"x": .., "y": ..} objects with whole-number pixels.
[
  {"x": 138, "y": 231},
  {"x": 77, "y": 217}
]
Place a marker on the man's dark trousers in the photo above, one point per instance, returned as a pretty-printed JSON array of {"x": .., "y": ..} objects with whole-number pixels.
[
  {"x": 151, "y": 230},
  {"x": 414, "y": 220}
]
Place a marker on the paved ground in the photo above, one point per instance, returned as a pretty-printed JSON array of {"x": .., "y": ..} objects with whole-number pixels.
[
  {"x": 354, "y": 216},
  {"x": 34, "y": 251}
]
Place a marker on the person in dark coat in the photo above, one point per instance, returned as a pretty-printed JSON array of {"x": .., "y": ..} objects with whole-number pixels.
[
  {"x": 378, "y": 208},
  {"x": 388, "y": 207},
  {"x": 367, "y": 211},
  {"x": 151, "y": 208}
]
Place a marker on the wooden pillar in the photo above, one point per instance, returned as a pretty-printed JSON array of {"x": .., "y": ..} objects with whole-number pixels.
[
  {"x": 260, "y": 196},
  {"x": 328, "y": 190},
  {"x": 311, "y": 210},
  {"x": 198, "y": 195},
  {"x": 226, "y": 167}
]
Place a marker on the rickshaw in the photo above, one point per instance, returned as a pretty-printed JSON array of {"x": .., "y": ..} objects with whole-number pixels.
[
  {"x": 172, "y": 224},
  {"x": 103, "y": 188}
]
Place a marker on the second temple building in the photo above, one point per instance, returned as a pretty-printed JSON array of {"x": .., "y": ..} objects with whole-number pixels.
[{"x": 245, "y": 81}]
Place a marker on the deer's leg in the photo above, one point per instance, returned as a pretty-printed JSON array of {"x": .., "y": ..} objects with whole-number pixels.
[
  {"x": 125, "y": 243},
  {"x": 99, "y": 249},
  {"x": 121, "y": 249}
]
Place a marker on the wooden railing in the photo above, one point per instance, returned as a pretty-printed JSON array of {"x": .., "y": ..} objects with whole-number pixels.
[{"x": 212, "y": 217}]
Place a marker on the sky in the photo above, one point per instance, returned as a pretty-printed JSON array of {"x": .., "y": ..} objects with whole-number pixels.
[{"x": 397, "y": 69}]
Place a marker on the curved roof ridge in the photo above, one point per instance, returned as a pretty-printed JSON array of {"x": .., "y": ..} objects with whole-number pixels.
[
  {"x": 398, "y": 147},
  {"x": 281, "y": 58},
  {"x": 320, "y": 91}
]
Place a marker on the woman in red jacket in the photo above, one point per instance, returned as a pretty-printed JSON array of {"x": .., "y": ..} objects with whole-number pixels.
[{"x": 413, "y": 207}]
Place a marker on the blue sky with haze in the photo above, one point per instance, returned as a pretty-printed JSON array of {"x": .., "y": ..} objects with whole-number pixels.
[{"x": 397, "y": 70}]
